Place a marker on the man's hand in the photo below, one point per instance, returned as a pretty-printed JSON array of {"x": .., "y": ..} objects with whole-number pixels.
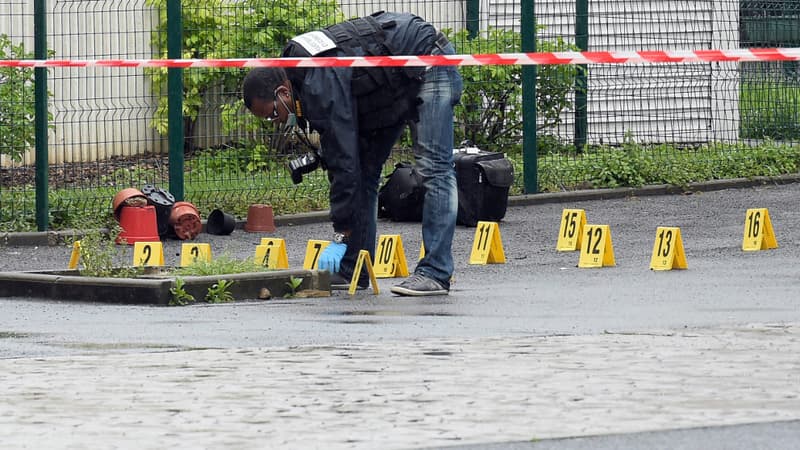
[{"x": 331, "y": 257}]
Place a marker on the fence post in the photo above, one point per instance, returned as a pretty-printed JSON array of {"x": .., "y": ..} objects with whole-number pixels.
[
  {"x": 40, "y": 120},
  {"x": 581, "y": 85},
  {"x": 473, "y": 17},
  {"x": 529, "y": 144},
  {"x": 175, "y": 99}
]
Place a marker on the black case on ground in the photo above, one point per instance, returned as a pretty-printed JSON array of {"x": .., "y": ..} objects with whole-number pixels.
[
  {"x": 402, "y": 195},
  {"x": 483, "y": 179}
]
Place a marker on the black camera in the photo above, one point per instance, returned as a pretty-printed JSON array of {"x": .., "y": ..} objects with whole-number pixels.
[{"x": 303, "y": 164}]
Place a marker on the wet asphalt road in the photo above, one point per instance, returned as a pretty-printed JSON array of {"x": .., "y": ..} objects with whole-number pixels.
[{"x": 537, "y": 292}]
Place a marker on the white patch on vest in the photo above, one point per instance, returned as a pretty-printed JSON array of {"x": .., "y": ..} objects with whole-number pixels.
[{"x": 315, "y": 42}]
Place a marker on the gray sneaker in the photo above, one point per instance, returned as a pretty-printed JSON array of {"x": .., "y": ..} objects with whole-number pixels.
[{"x": 419, "y": 285}]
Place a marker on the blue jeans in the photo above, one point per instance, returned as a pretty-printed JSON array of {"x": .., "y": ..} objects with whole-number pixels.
[
  {"x": 433, "y": 151},
  {"x": 434, "y": 161}
]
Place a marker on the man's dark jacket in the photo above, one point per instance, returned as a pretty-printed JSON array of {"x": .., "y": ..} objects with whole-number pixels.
[{"x": 330, "y": 107}]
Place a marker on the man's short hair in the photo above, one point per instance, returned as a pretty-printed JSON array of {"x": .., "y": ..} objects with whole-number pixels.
[{"x": 261, "y": 83}]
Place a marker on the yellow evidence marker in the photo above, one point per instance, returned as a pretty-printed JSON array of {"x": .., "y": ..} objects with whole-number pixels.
[
  {"x": 668, "y": 251},
  {"x": 571, "y": 230},
  {"x": 758, "y": 233},
  {"x": 148, "y": 254},
  {"x": 363, "y": 258},
  {"x": 313, "y": 250},
  {"x": 487, "y": 246},
  {"x": 390, "y": 260},
  {"x": 596, "y": 247},
  {"x": 75, "y": 256},
  {"x": 192, "y": 253},
  {"x": 272, "y": 254}
]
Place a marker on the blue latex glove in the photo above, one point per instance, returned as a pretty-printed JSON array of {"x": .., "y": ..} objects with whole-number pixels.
[{"x": 331, "y": 257}]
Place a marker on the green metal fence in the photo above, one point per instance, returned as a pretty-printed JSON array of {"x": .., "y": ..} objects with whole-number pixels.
[{"x": 565, "y": 127}]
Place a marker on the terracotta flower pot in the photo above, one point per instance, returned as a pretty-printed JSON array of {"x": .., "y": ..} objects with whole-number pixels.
[
  {"x": 185, "y": 220},
  {"x": 138, "y": 224},
  {"x": 260, "y": 219},
  {"x": 127, "y": 197}
]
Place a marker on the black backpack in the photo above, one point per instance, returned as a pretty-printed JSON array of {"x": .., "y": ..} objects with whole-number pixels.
[
  {"x": 483, "y": 179},
  {"x": 402, "y": 195}
]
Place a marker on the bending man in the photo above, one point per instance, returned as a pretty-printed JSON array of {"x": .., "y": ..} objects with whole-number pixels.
[{"x": 360, "y": 113}]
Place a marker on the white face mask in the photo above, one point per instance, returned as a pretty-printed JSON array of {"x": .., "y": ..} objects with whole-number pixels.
[
  {"x": 291, "y": 120},
  {"x": 291, "y": 132}
]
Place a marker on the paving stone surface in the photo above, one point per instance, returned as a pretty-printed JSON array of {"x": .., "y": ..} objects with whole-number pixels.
[
  {"x": 411, "y": 394},
  {"x": 516, "y": 352}
]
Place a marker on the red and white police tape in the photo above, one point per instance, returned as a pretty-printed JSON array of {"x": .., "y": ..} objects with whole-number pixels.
[{"x": 612, "y": 57}]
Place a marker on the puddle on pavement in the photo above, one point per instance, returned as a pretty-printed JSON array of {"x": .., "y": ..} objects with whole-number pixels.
[
  {"x": 394, "y": 313},
  {"x": 437, "y": 353},
  {"x": 372, "y": 317},
  {"x": 359, "y": 322},
  {"x": 182, "y": 322},
  {"x": 110, "y": 346},
  {"x": 14, "y": 335},
  {"x": 758, "y": 309}
]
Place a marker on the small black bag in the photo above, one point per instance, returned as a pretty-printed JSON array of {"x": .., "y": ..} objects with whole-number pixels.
[
  {"x": 402, "y": 195},
  {"x": 483, "y": 179}
]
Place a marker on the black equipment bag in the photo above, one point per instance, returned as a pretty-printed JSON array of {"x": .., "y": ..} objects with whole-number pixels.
[
  {"x": 402, "y": 195},
  {"x": 483, "y": 179}
]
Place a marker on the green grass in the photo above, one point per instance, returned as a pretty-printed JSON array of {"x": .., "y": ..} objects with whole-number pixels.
[
  {"x": 222, "y": 265},
  {"x": 216, "y": 183},
  {"x": 770, "y": 109},
  {"x": 635, "y": 165}
]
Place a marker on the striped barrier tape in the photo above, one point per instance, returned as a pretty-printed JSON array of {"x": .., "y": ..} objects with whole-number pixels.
[{"x": 613, "y": 57}]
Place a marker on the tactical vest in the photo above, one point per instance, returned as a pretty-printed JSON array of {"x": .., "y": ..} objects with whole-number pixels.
[{"x": 385, "y": 96}]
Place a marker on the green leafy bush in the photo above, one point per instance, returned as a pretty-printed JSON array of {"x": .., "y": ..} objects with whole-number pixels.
[
  {"x": 100, "y": 255},
  {"x": 16, "y": 103},
  {"x": 230, "y": 29},
  {"x": 490, "y": 113}
]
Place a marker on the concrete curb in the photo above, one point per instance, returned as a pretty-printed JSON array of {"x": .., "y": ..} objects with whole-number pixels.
[
  {"x": 50, "y": 238},
  {"x": 69, "y": 285}
]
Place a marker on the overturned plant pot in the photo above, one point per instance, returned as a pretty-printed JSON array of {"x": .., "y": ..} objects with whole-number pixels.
[
  {"x": 220, "y": 223},
  {"x": 185, "y": 220},
  {"x": 163, "y": 201},
  {"x": 260, "y": 218},
  {"x": 139, "y": 224},
  {"x": 127, "y": 197}
]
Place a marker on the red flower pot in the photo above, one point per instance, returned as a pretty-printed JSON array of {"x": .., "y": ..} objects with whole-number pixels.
[
  {"x": 138, "y": 224},
  {"x": 185, "y": 219}
]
